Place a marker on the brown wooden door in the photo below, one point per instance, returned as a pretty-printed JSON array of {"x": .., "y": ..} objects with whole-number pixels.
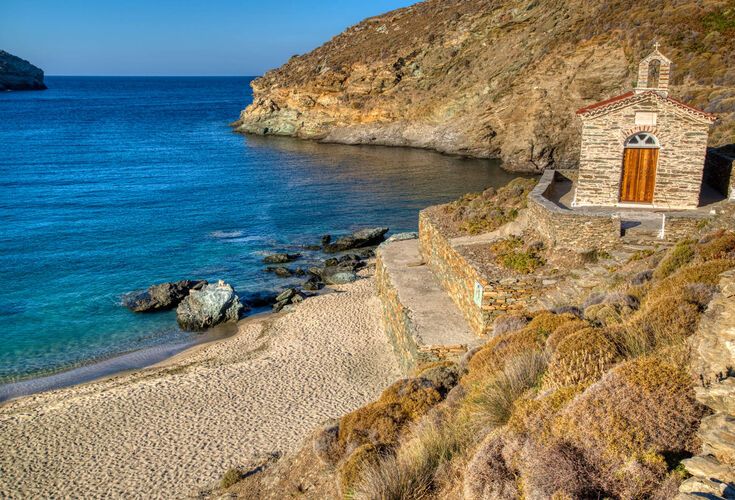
[{"x": 639, "y": 175}]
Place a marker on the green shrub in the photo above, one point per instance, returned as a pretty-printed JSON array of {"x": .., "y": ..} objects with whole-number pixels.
[
  {"x": 512, "y": 254},
  {"x": 680, "y": 254},
  {"x": 593, "y": 256},
  {"x": 229, "y": 478}
]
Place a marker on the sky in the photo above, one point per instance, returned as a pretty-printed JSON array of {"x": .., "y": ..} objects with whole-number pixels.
[{"x": 174, "y": 37}]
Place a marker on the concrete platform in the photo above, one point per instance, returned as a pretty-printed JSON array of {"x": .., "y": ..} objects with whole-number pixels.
[{"x": 422, "y": 322}]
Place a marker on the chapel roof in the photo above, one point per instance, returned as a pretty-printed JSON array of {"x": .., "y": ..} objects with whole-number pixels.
[{"x": 629, "y": 98}]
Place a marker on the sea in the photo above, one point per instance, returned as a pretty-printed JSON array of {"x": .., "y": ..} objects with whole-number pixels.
[{"x": 111, "y": 184}]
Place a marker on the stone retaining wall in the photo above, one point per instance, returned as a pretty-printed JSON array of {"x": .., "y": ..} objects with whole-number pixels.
[
  {"x": 401, "y": 330},
  {"x": 460, "y": 277},
  {"x": 396, "y": 319},
  {"x": 576, "y": 229}
]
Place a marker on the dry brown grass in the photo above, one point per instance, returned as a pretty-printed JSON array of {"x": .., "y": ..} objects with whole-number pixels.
[
  {"x": 412, "y": 472},
  {"x": 719, "y": 245},
  {"x": 490, "y": 404},
  {"x": 563, "y": 330}
]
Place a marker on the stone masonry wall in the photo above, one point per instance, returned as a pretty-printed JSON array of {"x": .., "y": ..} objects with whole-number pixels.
[
  {"x": 683, "y": 141},
  {"x": 396, "y": 319},
  {"x": 454, "y": 273},
  {"x": 458, "y": 276},
  {"x": 401, "y": 331},
  {"x": 572, "y": 229}
]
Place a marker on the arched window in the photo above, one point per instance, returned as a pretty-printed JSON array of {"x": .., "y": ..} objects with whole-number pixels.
[{"x": 642, "y": 140}]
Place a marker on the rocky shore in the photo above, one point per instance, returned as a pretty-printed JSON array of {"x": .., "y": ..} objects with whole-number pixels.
[{"x": 19, "y": 74}]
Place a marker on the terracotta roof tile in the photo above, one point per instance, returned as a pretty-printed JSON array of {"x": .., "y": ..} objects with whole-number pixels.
[
  {"x": 604, "y": 103},
  {"x": 690, "y": 108}
]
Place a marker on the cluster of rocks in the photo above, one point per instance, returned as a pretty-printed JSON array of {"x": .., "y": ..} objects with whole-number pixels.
[
  {"x": 332, "y": 271},
  {"x": 335, "y": 270},
  {"x": 200, "y": 305},
  {"x": 161, "y": 297}
]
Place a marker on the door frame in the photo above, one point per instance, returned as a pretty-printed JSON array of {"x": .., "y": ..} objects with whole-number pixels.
[{"x": 639, "y": 140}]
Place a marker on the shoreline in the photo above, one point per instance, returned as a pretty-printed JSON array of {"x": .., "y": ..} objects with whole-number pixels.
[
  {"x": 175, "y": 427},
  {"x": 116, "y": 364}
]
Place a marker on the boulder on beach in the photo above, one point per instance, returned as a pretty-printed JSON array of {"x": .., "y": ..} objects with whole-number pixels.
[
  {"x": 288, "y": 296},
  {"x": 338, "y": 275},
  {"x": 281, "y": 258},
  {"x": 19, "y": 74},
  {"x": 209, "y": 306},
  {"x": 162, "y": 297},
  {"x": 362, "y": 238}
]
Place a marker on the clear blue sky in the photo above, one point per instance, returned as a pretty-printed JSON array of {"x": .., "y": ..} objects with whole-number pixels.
[{"x": 173, "y": 37}]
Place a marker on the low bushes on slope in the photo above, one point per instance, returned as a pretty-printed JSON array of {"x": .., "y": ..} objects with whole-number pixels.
[
  {"x": 553, "y": 405},
  {"x": 478, "y": 213}
]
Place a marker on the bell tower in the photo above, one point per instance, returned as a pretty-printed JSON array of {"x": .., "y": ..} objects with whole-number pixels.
[{"x": 653, "y": 73}]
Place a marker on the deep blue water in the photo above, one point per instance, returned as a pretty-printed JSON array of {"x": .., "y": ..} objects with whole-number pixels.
[{"x": 108, "y": 185}]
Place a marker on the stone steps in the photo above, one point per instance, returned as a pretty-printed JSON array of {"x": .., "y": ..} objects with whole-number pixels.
[{"x": 421, "y": 321}]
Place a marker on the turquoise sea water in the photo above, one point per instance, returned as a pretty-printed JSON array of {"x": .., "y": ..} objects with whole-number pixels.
[{"x": 108, "y": 185}]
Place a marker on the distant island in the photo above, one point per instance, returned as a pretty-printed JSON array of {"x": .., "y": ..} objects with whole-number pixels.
[{"x": 19, "y": 74}]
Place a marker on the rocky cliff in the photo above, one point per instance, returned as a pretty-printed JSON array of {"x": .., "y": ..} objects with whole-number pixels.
[
  {"x": 493, "y": 78},
  {"x": 19, "y": 74}
]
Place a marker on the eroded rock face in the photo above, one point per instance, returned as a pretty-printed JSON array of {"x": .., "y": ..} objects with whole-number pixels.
[
  {"x": 493, "y": 79},
  {"x": 209, "y": 306},
  {"x": 162, "y": 297},
  {"x": 19, "y": 74}
]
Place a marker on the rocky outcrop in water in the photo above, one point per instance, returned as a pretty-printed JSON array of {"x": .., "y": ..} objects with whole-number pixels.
[
  {"x": 281, "y": 258},
  {"x": 494, "y": 79},
  {"x": 362, "y": 238},
  {"x": 162, "y": 297},
  {"x": 19, "y": 74},
  {"x": 209, "y": 306}
]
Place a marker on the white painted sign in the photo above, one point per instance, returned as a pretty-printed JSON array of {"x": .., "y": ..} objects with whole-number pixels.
[{"x": 478, "y": 294}]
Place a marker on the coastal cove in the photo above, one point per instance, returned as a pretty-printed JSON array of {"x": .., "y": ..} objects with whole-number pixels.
[{"x": 112, "y": 184}]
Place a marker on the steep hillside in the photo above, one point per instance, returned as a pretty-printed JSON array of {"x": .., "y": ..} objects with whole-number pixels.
[{"x": 492, "y": 78}]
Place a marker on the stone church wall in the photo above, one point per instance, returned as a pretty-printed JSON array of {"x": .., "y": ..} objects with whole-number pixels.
[{"x": 683, "y": 143}]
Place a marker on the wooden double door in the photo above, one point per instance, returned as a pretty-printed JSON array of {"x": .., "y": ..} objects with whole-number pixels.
[{"x": 639, "y": 175}]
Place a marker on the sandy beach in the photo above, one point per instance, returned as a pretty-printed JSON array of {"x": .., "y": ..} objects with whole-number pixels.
[{"x": 169, "y": 430}]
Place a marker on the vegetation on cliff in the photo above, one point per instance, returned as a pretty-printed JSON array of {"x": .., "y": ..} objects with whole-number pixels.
[{"x": 495, "y": 79}]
